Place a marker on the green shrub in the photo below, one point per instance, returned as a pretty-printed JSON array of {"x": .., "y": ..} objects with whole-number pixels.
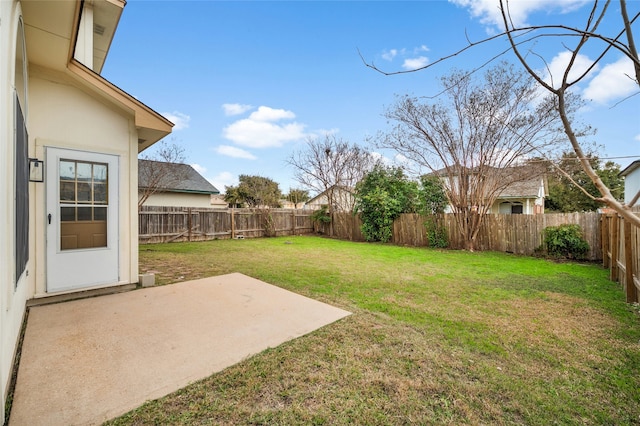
[
  {"x": 565, "y": 241},
  {"x": 321, "y": 215},
  {"x": 436, "y": 233}
]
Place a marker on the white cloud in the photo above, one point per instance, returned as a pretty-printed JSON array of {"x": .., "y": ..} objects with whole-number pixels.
[
  {"x": 391, "y": 54},
  {"x": 270, "y": 114},
  {"x": 399, "y": 158},
  {"x": 377, "y": 156},
  {"x": 200, "y": 169},
  {"x": 236, "y": 109},
  {"x": 180, "y": 120},
  {"x": 488, "y": 11},
  {"x": 558, "y": 65},
  {"x": 637, "y": 137},
  {"x": 415, "y": 63},
  {"x": 388, "y": 55},
  {"x": 612, "y": 83},
  {"x": 223, "y": 179},
  {"x": 232, "y": 151},
  {"x": 262, "y": 130}
]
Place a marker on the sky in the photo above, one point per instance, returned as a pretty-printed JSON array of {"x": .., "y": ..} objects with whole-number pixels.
[{"x": 247, "y": 83}]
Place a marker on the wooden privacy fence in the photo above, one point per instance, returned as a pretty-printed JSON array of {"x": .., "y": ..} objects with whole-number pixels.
[
  {"x": 168, "y": 224},
  {"x": 511, "y": 233},
  {"x": 524, "y": 234},
  {"x": 520, "y": 234},
  {"x": 620, "y": 242}
]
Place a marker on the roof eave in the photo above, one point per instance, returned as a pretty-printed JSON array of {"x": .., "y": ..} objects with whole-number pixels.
[
  {"x": 151, "y": 125},
  {"x": 630, "y": 168}
]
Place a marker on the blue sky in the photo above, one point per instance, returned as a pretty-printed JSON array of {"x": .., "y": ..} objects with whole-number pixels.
[{"x": 247, "y": 82}]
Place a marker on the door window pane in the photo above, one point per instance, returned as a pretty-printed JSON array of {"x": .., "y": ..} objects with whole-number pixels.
[
  {"x": 84, "y": 213},
  {"x": 99, "y": 193},
  {"x": 67, "y": 214},
  {"x": 83, "y": 171},
  {"x": 100, "y": 213},
  {"x": 84, "y": 192},
  {"x": 99, "y": 172},
  {"x": 67, "y": 170},
  {"x": 67, "y": 191}
]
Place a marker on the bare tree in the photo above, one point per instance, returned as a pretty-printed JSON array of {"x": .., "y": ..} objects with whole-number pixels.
[
  {"x": 331, "y": 166},
  {"x": 522, "y": 41},
  {"x": 476, "y": 140},
  {"x": 572, "y": 75},
  {"x": 157, "y": 172}
]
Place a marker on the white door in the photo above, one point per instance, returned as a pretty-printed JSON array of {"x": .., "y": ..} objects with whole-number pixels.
[{"x": 82, "y": 219}]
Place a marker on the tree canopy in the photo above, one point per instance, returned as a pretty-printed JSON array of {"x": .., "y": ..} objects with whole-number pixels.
[
  {"x": 254, "y": 191},
  {"x": 386, "y": 192},
  {"x": 571, "y": 190}
]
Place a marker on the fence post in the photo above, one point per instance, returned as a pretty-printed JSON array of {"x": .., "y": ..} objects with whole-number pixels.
[
  {"x": 628, "y": 261},
  {"x": 615, "y": 244},
  {"x": 233, "y": 224},
  {"x": 293, "y": 222},
  {"x": 604, "y": 240},
  {"x": 189, "y": 224}
]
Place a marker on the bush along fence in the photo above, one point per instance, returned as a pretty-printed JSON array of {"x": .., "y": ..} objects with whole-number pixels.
[
  {"x": 620, "y": 241},
  {"x": 169, "y": 224}
]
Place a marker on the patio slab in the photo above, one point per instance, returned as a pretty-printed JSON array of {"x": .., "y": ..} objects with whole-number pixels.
[{"x": 86, "y": 361}]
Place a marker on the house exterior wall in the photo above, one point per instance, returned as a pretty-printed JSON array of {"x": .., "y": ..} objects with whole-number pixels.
[
  {"x": 528, "y": 205},
  {"x": 62, "y": 115},
  {"x": 316, "y": 203},
  {"x": 344, "y": 201},
  {"x": 179, "y": 199},
  {"x": 66, "y": 108},
  {"x": 12, "y": 296},
  {"x": 631, "y": 185}
]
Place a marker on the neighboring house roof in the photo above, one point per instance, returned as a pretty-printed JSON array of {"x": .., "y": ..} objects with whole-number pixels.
[
  {"x": 529, "y": 188},
  {"x": 525, "y": 180},
  {"x": 187, "y": 178},
  {"x": 630, "y": 168}
]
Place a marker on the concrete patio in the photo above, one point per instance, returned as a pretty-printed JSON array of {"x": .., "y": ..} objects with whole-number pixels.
[{"x": 86, "y": 361}]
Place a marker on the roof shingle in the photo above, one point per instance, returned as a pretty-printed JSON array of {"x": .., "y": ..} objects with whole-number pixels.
[{"x": 188, "y": 179}]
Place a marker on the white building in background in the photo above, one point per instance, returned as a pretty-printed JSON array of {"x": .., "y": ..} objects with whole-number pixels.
[{"x": 631, "y": 175}]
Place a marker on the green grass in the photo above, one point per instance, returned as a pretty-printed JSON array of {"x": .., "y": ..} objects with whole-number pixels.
[{"x": 437, "y": 337}]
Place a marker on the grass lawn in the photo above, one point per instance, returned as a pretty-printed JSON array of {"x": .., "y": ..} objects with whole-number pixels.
[{"x": 437, "y": 337}]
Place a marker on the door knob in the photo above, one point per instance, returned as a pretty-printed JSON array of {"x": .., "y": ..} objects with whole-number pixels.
[{"x": 49, "y": 217}]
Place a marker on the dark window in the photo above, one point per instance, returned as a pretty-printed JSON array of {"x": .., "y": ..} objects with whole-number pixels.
[
  {"x": 516, "y": 209},
  {"x": 21, "y": 194}
]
